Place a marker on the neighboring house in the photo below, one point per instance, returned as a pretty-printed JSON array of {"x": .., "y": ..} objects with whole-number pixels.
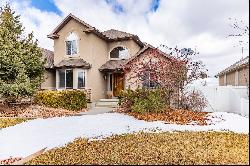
[
  {"x": 85, "y": 58},
  {"x": 235, "y": 75}
]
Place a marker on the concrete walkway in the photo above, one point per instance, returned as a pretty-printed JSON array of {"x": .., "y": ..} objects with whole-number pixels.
[{"x": 97, "y": 110}]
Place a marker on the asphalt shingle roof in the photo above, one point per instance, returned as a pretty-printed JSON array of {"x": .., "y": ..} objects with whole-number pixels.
[
  {"x": 49, "y": 56},
  {"x": 73, "y": 63}
]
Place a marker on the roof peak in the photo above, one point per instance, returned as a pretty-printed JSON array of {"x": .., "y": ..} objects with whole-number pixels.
[{"x": 108, "y": 35}]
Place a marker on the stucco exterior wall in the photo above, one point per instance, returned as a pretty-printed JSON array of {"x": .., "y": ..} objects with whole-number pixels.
[
  {"x": 238, "y": 77},
  {"x": 244, "y": 76},
  {"x": 132, "y": 46},
  {"x": 49, "y": 80},
  {"x": 231, "y": 78},
  {"x": 221, "y": 80},
  {"x": 93, "y": 50}
]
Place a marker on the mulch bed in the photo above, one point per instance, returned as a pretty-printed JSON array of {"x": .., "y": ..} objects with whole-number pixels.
[
  {"x": 35, "y": 111},
  {"x": 173, "y": 116}
]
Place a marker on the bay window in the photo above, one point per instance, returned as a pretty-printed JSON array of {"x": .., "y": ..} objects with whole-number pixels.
[{"x": 71, "y": 78}]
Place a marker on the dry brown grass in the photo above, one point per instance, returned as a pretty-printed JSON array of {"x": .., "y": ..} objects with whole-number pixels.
[
  {"x": 35, "y": 111},
  {"x": 154, "y": 148},
  {"x": 7, "y": 122}
]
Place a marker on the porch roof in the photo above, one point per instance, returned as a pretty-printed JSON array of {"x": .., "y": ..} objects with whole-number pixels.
[
  {"x": 73, "y": 63},
  {"x": 113, "y": 65}
]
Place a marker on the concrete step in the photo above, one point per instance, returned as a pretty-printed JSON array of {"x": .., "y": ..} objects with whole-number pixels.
[
  {"x": 112, "y": 103},
  {"x": 109, "y": 100}
]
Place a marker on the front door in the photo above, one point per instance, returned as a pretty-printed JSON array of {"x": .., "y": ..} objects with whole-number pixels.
[{"x": 118, "y": 83}]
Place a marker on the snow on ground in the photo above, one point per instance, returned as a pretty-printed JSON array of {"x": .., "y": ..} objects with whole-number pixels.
[{"x": 26, "y": 138}]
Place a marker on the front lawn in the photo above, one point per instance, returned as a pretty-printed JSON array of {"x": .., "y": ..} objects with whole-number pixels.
[
  {"x": 7, "y": 122},
  {"x": 153, "y": 148}
]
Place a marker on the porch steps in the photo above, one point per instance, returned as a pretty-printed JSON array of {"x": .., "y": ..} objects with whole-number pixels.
[{"x": 111, "y": 103}]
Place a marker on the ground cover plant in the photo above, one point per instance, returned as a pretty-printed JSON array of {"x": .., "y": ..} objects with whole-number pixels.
[{"x": 153, "y": 148}]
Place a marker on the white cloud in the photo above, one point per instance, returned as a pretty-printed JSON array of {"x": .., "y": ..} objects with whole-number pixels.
[{"x": 186, "y": 23}]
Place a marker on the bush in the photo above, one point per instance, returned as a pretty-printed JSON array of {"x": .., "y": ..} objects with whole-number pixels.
[
  {"x": 143, "y": 100},
  {"x": 67, "y": 99},
  {"x": 194, "y": 100}
]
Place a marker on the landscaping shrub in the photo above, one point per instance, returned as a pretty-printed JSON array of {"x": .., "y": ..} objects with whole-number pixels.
[
  {"x": 194, "y": 100},
  {"x": 143, "y": 100},
  {"x": 68, "y": 99}
]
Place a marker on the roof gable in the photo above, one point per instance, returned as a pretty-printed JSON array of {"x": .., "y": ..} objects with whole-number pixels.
[
  {"x": 89, "y": 28},
  {"x": 144, "y": 49},
  {"x": 109, "y": 35}
]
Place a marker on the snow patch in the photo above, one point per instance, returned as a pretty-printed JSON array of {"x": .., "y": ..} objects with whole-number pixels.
[{"x": 26, "y": 138}]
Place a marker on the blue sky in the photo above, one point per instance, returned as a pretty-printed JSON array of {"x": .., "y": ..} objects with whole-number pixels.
[
  {"x": 49, "y": 6},
  {"x": 46, "y": 5}
]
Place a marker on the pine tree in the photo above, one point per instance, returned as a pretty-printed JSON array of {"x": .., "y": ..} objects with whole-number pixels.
[{"x": 21, "y": 62}]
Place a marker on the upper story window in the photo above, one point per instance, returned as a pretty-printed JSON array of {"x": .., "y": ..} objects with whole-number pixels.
[
  {"x": 71, "y": 44},
  {"x": 119, "y": 53}
]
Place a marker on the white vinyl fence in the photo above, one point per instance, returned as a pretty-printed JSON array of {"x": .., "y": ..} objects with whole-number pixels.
[{"x": 232, "y": 99}]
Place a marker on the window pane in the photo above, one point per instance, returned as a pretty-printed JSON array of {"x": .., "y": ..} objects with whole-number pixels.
[
  {"x": 68, "y": 47},
  {"x": 74, "y": 48},
  {"x": 81, "y": 79},
  {"x": 69, "y": 79},
  {"x": 119, "y": 52},
  {"x": 145, "y": 79},
  {"x": 61, "y": 78}
]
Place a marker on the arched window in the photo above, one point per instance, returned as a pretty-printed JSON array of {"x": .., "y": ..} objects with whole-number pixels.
[
  {"x": 71, "y": 44},
  {"x": 119, "y": 53}
]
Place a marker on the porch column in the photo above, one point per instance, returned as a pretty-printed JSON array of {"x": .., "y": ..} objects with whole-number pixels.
[
  {"x": 75, "y": 78},
  {"x": 108, "y": 82},
  {"x": 57, "y": 80}
]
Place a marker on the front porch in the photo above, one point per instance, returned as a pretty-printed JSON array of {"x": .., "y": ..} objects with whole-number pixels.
[
  {"x": 113, "y": 73},
  {"x": 115, "y": 83}
]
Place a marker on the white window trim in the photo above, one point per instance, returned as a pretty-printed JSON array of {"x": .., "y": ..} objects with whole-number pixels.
[
  {"x": 75, "y": 78},
  {"x": 85, "y": 76},
  {"x": 65, "y": 79},
  {"x": 77, "y": 45}
]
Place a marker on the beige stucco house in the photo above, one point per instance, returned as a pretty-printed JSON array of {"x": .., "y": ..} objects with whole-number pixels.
[
  {"x": 88, "y": 59},
  {"x": 236, "y": 75}
]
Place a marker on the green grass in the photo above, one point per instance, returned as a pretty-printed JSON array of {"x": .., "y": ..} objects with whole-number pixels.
[
  {"x": 7, "y": 122},
  {"x": 153, "y": 148}
]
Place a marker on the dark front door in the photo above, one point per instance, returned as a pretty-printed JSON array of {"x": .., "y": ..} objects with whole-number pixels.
[{"x": 118, "y": 83}]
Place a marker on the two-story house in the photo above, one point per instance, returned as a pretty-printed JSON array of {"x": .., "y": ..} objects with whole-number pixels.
[{"x": 85, "y": 58}]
